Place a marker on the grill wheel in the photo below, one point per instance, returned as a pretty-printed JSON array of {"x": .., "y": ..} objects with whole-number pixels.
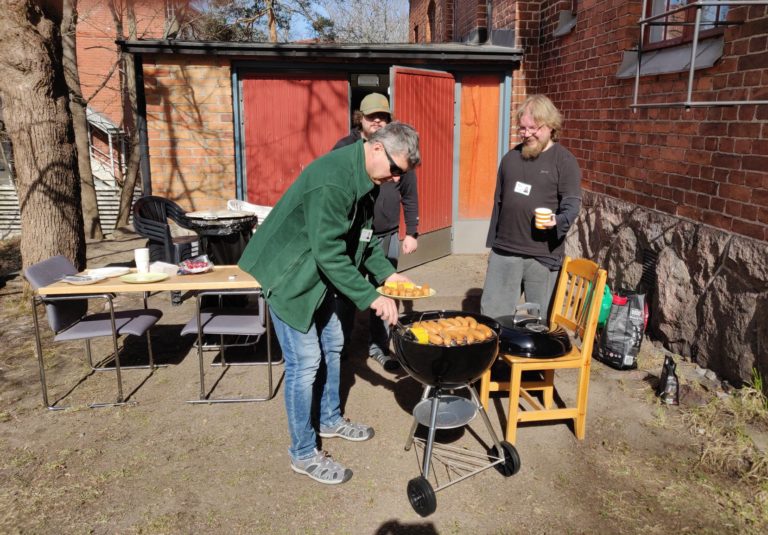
[{"x": 421, "y": 496}]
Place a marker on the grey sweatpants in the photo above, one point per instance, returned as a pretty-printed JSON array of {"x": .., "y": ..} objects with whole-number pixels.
[{"x": 508, "y": 277}]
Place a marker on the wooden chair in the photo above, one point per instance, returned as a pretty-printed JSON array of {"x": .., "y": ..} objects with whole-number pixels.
[{"x": 580, "y": 285}]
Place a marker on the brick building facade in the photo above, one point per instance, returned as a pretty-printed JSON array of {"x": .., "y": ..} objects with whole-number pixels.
[
  {"x": 676, "y": 188},
  {"x": 706, "y": 164},
  {"x": 189, "y": 125}
]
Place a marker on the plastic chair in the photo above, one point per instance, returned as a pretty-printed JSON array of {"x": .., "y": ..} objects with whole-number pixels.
[
  {"x": 150, "y": 219},
  {"x": 580, "y": 285},
  {"x": 68, "y": 319},
  {"x": 242, "y": 326}
]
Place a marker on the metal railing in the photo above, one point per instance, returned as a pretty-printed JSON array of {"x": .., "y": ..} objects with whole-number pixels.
[{"x": 656, "y": 20}]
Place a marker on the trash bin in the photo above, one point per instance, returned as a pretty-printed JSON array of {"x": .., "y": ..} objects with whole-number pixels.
[{"x": 223, "y": 233}]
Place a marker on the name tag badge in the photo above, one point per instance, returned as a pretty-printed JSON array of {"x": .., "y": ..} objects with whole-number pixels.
[
  {"x": 366, "y": 234},
  {"x": 523, "y": 188}
]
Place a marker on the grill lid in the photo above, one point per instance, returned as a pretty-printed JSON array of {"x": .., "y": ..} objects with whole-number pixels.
[{"x": 528, "y": 337}]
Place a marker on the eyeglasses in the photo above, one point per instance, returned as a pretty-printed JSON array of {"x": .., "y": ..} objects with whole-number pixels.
[
  {"x": 529, "y": 130},
  {"x": 377, "y": 116},
  {"x": 394, "y": 169}
]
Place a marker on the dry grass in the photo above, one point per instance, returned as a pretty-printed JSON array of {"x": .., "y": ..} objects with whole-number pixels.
[{"x": 723, "y": 427}]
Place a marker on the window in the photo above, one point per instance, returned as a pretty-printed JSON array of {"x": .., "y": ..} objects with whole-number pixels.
[{"x": 677, "y": 27}]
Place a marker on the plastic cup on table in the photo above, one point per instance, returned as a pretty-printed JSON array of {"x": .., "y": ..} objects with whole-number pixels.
[{"x": 141, "y": 257}]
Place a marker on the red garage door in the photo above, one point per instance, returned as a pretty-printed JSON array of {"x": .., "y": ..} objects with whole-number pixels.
[
  {"x": 424, "y": 99},
  {"x": 289, "y": 120}
]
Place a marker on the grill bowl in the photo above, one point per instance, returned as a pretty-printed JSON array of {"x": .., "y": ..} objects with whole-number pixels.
[{"x": 441, "y": 366}]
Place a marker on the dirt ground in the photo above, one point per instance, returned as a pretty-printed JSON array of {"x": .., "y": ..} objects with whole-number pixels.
[{"x": 164, "y": 466}]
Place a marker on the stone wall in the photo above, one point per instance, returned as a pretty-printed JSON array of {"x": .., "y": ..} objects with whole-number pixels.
[{"x": 707, "y": 289}]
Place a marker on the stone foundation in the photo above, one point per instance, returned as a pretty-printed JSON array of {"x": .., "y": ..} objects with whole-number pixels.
[{"x": 707, "y": 289}]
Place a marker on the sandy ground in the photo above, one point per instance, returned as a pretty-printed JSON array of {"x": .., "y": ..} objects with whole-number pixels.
[{"x": 165, "y": 466}]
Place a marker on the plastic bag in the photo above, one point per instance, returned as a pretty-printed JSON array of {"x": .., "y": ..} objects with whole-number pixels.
[
  {"x": 198, "y": 264},
  {"x": 622, "y": 334}
]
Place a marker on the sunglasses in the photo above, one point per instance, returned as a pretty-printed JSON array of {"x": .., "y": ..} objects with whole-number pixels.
[{"x": 394, "y": 169}]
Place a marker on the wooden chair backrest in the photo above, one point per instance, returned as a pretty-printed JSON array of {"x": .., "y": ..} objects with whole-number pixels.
[{"x": 576, "y": 306}]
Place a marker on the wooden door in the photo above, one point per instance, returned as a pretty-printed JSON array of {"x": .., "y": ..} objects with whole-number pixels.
[
  {"x": 289, "y": 121},
  {"x": 479, "y": 147},
  {"x": 425, "y": 99}
]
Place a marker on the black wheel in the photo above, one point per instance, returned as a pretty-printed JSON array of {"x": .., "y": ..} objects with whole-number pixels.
[
  {"x": 511, "y": 464},
  {"x": 421, "y": 496}
]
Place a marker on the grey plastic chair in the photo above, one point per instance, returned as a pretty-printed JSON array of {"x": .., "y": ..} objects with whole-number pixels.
[
  {"x": 69, "y": 320},
  {"x": 244, "y": 326}
]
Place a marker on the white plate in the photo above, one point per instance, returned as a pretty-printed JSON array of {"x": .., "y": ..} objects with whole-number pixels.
[
  {"x": 81, "y": 280},
  {"x": 380, "y": 289},
  {"x": 108, "y": 272},
  {"x": 144, "y": 278}
]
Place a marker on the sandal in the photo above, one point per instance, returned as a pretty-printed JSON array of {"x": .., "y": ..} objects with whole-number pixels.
[
  {"x": 322, "y": 468},
  {"x": 347, "y": 430}
]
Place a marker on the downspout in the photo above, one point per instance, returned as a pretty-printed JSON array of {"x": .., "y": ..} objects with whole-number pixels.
[
  {"x": 141, "y": 124},
  {"x": 489, "y": 21}
]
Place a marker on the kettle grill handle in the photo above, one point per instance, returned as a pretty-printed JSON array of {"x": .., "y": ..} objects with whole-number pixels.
[{"x": 532, "y": 308}]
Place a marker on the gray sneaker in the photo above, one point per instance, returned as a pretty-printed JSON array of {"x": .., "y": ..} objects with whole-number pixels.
[
  {"x": 387, "y": 362},
  {"x": 347, "y": 430},
  {"x": 322, "y": 468}
]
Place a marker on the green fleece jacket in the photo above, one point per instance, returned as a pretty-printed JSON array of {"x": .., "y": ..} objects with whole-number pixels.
[{"x": 314, "y": 241}]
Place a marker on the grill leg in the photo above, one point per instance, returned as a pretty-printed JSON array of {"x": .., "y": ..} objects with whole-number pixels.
[
  {"x": 415, "y": 425},
  {"x": 431, "y": 435},
  {"x": 484, "y": 416}
]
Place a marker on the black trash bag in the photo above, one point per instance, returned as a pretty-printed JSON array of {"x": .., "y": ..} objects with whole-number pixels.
[
  {"x": 668, "y": 389},
  {"x": 622, "y": 335}
]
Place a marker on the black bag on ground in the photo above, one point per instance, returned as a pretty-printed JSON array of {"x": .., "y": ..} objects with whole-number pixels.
[{"x": 622, "y": 334}]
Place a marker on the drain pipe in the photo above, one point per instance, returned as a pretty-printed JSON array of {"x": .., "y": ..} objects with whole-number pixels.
[{"x": 489, "y": 21}]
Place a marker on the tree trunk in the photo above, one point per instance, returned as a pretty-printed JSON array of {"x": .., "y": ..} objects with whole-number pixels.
[
  {"x": 39, "y": 124},
  {"x": 271, "y": 22},
  {"x": 129, "y": 92},
  {"x": 91, "y": 218}
]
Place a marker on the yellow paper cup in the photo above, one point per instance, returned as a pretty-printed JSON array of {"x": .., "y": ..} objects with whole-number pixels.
[{"x": 542, "y": 216}]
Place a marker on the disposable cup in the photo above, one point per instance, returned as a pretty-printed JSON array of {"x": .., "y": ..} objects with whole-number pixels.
[
  {"x": 141, "y": 257},
  {"x": 542, "y": 216}
]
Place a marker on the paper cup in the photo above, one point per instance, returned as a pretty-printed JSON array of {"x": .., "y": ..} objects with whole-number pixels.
[
  {"x": 542, "y": 216},
  {"x": 141, "y": 257}
]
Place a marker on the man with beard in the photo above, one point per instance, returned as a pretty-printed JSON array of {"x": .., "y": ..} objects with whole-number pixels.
[
  {"x": 374, "y": 114},
  {"x": 537, "y": 173}
]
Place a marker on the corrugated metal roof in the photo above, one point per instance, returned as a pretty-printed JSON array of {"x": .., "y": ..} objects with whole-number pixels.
[{"x": 447, "y": 53}]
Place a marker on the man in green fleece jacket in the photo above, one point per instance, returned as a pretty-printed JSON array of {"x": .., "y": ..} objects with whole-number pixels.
[{"x": 313, "y": 248}]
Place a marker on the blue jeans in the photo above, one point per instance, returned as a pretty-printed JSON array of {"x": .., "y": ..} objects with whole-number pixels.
[{"x": 304, "y": 353}]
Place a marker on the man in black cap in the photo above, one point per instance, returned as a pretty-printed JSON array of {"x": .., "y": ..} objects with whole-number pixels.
[{"x": 374, "y": 113}]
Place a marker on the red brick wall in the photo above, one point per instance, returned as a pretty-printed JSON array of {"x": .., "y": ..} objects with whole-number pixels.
[
  {"x": 97, "y": 51},
  {"x": 443, "y": 27},
  {"x": 706, "y": 164},
  {"x": 190, "y": 128}
]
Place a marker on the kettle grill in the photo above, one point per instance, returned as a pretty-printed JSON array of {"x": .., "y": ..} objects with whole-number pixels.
[{"x": 442, "y": 370}]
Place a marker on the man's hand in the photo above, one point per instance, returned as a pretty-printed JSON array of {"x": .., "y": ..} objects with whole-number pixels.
[
  {"x": 397, "y": 277},
  {"x": 551, "y": 223},
  {"x": 386, "y": 309},
  {"x": 409, "y": 244}
]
